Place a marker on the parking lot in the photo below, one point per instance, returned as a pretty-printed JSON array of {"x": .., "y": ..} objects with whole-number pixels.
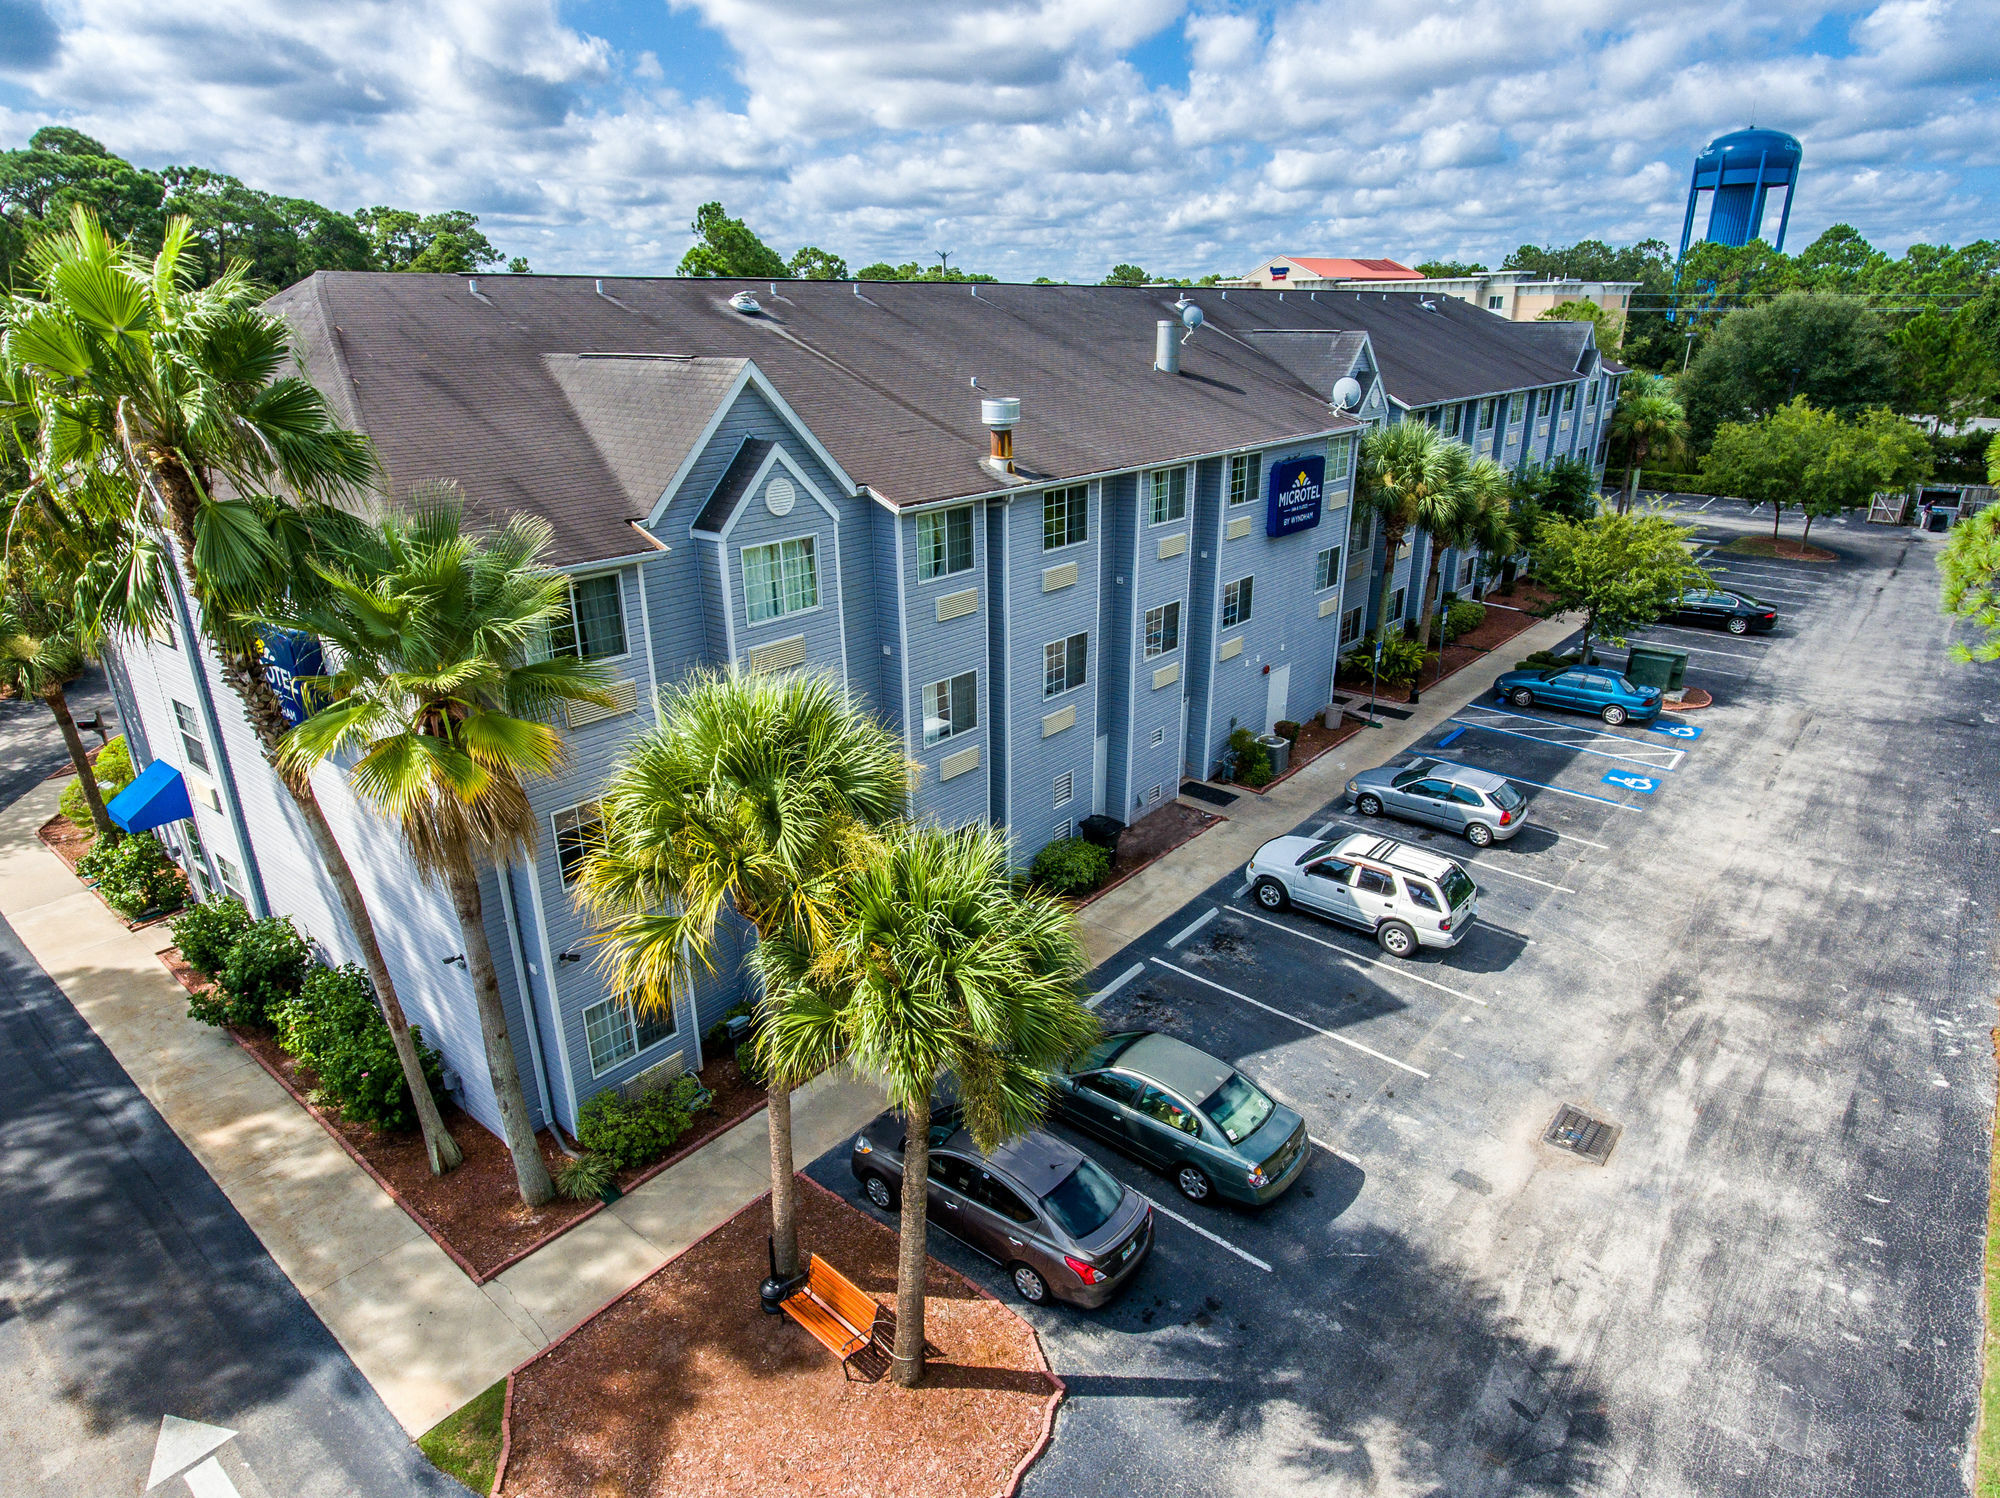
[{"x": 1755, "y": 941}]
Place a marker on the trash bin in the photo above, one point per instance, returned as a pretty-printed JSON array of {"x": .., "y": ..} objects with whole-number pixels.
[
  {"x": 1653, "y": 666},
  {"x": 1101, "y": 830},
  {"x": 1280, "y": 750},
  {"x": 1942, "y": 518}
]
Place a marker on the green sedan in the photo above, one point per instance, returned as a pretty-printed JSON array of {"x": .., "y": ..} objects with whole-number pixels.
[{"x": 1197, "y": 1118}]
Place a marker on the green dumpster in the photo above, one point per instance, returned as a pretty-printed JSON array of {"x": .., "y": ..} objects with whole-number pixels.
[{"x": 1652, "y": 666}]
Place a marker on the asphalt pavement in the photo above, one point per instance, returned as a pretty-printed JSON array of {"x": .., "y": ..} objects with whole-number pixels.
[
  {"x": 1760, "y": 948},
  {"x": 132, "y": 1295}
]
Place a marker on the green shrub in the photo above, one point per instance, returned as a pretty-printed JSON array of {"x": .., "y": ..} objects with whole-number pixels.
[
  {"x": 1285, "y": 728},
  {"x": 206, "y": 932},
  {"x": 333, "y": 1026},
  {"x": 629, "y": 1132},
  {"x": 1253, "y": 760},
  {"x": 134, "y": 875},
  {"x": 113, "y": 768},
  {"x": 1402, "y": 659},
  {"x": 266, "y": 966},
  {"x": 1463, "y": 617},
  {"x": 1070, "y": 866},
  {"x": 585, "y": 1177}
]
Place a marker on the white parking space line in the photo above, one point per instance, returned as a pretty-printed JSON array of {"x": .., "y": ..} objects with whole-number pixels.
[
  {"x": 1401, "y": 969},
  {"x": 1559, "y": 724},
  {"x": 1495, "y": 868},
  {"x": 1770, "y": 583},
  {"x": 1193, "y": 926},
  {"x": 1476, "y": 865},
  {"x": 1544, "y": 827},
  {"x": 1579, "y": 795},
  {"x": 1734, "y": 655},
  {"x": 1338, "y": 1154},
  {"x": 1319, "y": 833},
  {"x": 1194, "y": 1227},
  {"x": 1114, "y": 985},
  {"x": 1660, "y": 759},
  {"x": 1304, "y": 1024}
]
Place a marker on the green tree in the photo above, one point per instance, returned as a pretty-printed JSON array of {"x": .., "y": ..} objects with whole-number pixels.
[
  {"x": 1126, "y": 275},
  {"x": 1445, "y": 269},
  {"x": 1814, "y": 461},
  {"x": 1621, "y": 572},
  {"x": 1411, "y": 477},
  {"x": 41, "y": 664},
  {"x": 178, "y": 391},
  {"x": 811, "y": 263},
  {"x": 59, "y": 171},
  {"x": 1834, "y": 352},
  {"x": 725, "y": 246},
  {"x": 1496, "y": 530},
  {"x": 1970, "y": 565},
  {"x": 938, "y": 966},
  {"x": 1945, "y": 369},
  {"x": 1609, "y": 325},
  {"x": 1452, "y": 516},
  {"x": 757, "y": 795},
  {"x": 437, "y": 698},
  {"x": 278, "y": 240},
  {"x": 1648, "y": 422},
  {"x": 446, "y": 243}
]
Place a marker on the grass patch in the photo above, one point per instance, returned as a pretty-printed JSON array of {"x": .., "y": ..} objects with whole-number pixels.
[
  {"x": 1784, "y": 547},
  {"x": 1986, "y": 1470},
  {"x": 466, "y": 1443}
]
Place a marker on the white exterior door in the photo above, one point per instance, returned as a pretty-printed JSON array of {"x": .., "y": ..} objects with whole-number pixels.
[{"x": 1278, "y": 694}]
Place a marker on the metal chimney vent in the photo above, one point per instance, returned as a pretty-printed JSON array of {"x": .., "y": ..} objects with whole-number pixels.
[
  {"x": 1167, "y": 346},
  {"x": 999, "y": 415}
]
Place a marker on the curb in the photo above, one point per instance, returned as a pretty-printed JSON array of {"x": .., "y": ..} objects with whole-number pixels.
[{"x": 1214, "y": 820}]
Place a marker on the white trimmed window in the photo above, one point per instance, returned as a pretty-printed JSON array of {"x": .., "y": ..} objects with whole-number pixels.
[
  {"x": 1242, "y": 478},
  {"x": 1396, "y": 606},
  {"x": 615, "y": 1034},
  {"x": 594, "y": 629},
  {"x": 1486, "y": 408},
  {"x": 1064, "y": 664},
  {"x": 1350, "y": 625},
  {"x": 233, "y": 882},
  {"x": 1517, "y": 407},
  {"x": 781, "y": 578},
  {"x": 578, "y": 830},
  {"x": 1569, "y": 397},
  {"x": 1167, "y": 496},
  {"x": 192, "y": 743},
  {"x": 951, "y": 707},
  {"x": 1326, "y": 569},
  {"x": 1339, "y": 459},
  {"x": 1065, "y": 517},
  {"x": 1452, "y": 416},
  {"x": 1236, "y": 601},
  {"x": 1163, "y": 629},
  {"x": 944, "y": 543}
]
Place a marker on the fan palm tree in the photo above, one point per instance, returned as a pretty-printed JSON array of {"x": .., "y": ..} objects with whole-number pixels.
[
  {"x": 1494, "y": 530},
  {"x": 1412, "y": 478},
  {"x": 757, "y": 795},
  {"x": 38, "y": 662},
  {"x": 133, "y": 369},
  {"x": 938, "y": 965},
  {"x": 1452, "y": 510},
  {"x": 436, "y": 695},
  {"x": 1648, "y": 422}
]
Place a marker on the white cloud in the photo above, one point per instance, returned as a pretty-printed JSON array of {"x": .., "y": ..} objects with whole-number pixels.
[{"x": 1021, "y": 134}]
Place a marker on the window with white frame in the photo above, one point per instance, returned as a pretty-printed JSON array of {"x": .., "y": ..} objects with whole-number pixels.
[
  {"x": 1465, "y": 573},
  {"x": 1326, "y": 569},
  {"x": 1350, "y": 626},
  {"x": 233, "y": 882},
  {"x": 1495, "y": 303},
  {"x": 594, "y": 628},
  {"x": 1396, "y": 606},
  {"x": 944, "y": 542},
  {"x": 1517, "y": 407},
  {"x": 1065, "y": 517},
  {"x": 1236, "y": 601},
  {"x": 1569, "y": 397},
  {"x": 1451, "y": 418},
  {"x": 951, "y": 707},
  {"x": 781, "y": 578},
  {"x": 1064, "y": 663},
  {"x": 1590, "y": 396},
  {"x": 1339, "y": 458},
  {"x": 1242, "y": 478},
  {"x": 1546, "y": 403},
  {"x": 193, "y": 745},
  {"x": 1163, "y": 629},
  {"x": 1167, "y": 496},
  {"x": 616, "y": 1034},
  {"x": 579, "y": 829},
  {"x": 1065, "y": 787},
  {"x": 1486, "y": 415}
]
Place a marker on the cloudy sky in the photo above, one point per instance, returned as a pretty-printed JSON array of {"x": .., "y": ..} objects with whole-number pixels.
[{"x": 1034, "y": 136}]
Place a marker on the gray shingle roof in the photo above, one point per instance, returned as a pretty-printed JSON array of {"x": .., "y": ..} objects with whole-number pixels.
[{"x": 644, "y": 414}]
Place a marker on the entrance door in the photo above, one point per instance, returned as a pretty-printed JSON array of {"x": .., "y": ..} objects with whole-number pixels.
[{"x": 1280, "y": 691}]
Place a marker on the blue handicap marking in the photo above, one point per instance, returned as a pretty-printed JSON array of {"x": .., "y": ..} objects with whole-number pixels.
[
  {"x": 1676, "y": 730},
  {"x": 1646, "y": 783}
]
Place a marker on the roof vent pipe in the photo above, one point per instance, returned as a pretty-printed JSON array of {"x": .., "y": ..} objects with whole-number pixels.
[
  {"x": 999, "y": 415},
  {"x": 472, "y": 284},
  {"x": 1167, "y": 346}
]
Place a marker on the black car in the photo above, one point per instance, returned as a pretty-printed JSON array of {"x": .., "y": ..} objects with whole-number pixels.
[{"x": 1738, "y": 613}]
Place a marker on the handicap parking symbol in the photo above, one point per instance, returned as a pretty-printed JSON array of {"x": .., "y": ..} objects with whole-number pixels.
[
  {"x": 1645, "y": 783},
  {"x": 1675, "y": 730}
]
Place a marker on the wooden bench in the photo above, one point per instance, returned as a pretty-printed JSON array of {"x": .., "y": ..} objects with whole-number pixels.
[{"x": 846, "y": 1319}]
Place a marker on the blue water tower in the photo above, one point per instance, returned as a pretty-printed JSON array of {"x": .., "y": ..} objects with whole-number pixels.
[{"x": 1741, "y": 169}]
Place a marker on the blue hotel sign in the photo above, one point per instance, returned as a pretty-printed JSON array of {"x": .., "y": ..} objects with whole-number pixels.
[
  {"x": 289, "y": 655},
  {"x": 1293, "y": 504}
]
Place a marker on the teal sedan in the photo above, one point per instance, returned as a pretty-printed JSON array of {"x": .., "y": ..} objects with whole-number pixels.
[
  {"x": 1181, "y": 1110},
  {"x": 1584, "y": 689}
]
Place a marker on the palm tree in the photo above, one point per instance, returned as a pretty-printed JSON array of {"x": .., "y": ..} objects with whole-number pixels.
[
  {"x": 1410, "y": 476},
  {"x": 134, "y": 369},
  {"x": 38, "y": 663},
  {"x": 1494, "y": 532},
  {"x": 755, "y": 794},
  {"x": 1447, "y": 515},
  {"x": 436, "y": 695},
  {"x": 1648, "y": 422},
  {"x": 938, "y": 965}
]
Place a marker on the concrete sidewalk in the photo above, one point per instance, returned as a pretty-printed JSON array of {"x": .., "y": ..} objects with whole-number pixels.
[
  {"x": 1157, "y": 891},
  {"x": 425, "y": 1336}
]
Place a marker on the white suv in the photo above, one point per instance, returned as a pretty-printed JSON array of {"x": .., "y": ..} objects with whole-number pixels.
[{"x": 1407, "y": 897}]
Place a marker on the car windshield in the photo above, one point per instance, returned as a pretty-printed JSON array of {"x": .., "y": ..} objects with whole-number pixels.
[
  {"x": 1084, "y": 1200},
  {"x": 1507, "y": 797},
  {"x": 1458, "y": 886},
  {"x": 1417, "y": 769},
  {"x": 1315, "y": 851},
  {"x": 1237, "y": 1108},
  {"x": 1104, "y": 1052}
]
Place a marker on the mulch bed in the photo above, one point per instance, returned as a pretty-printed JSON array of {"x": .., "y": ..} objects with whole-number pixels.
[
  {"x": 1694, "y": 699},
  {"x": 1783, "y": 547},
  {"x": 70, "y": 843},
  {"x": 475, "y": 1213},
  {"x": 1314, "y": 739},
  {"x": 1499, "y": 626},
  {"x": 683, "y": 1386},
  {"x": 1150, "y": 839}
]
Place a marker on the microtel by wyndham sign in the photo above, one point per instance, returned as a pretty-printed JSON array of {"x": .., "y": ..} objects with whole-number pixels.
[
  {"x": 1293, "y": 502},
  {"x": 289, "y": 655}
]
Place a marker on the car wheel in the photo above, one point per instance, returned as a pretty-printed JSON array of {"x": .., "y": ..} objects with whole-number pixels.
[
  {"x": 1738, "y": 625},
  {"x": 1521, "y": 697},
  {"x": 881, "y": 1193},
  {"x": 1479, "y": 834},
  {"x": 1614, "y": 715},
  {"x": 1397, "y": 939},
  {"x": 1029, "y": 1285},
  {"x": 1368, "y": 806},
  {"x": 1271, "y": 894},
  {"x": 1193, "y": 1183}
]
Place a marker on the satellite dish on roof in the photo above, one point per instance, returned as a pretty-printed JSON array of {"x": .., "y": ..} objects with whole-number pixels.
[
  {"x": 1347, "y": 392},
  {"x": 1191, "y": 317}
]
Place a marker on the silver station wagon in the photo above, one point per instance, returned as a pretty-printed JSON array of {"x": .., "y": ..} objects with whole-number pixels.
[
  {"x": 1406, "y": 897},
  {"x": 1478, "y": 804}
]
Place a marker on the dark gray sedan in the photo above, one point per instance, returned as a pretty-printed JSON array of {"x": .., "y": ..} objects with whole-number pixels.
[
  {"x": 1199, "y": 1119},
  {"x": 1047, "y": 1213}
]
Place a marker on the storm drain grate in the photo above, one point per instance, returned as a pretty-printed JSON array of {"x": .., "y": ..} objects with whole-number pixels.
[{"x": 1576, "y": 1131}]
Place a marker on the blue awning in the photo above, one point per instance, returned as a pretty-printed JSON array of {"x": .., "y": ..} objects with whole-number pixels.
[{"x": 157, "y": 797}]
